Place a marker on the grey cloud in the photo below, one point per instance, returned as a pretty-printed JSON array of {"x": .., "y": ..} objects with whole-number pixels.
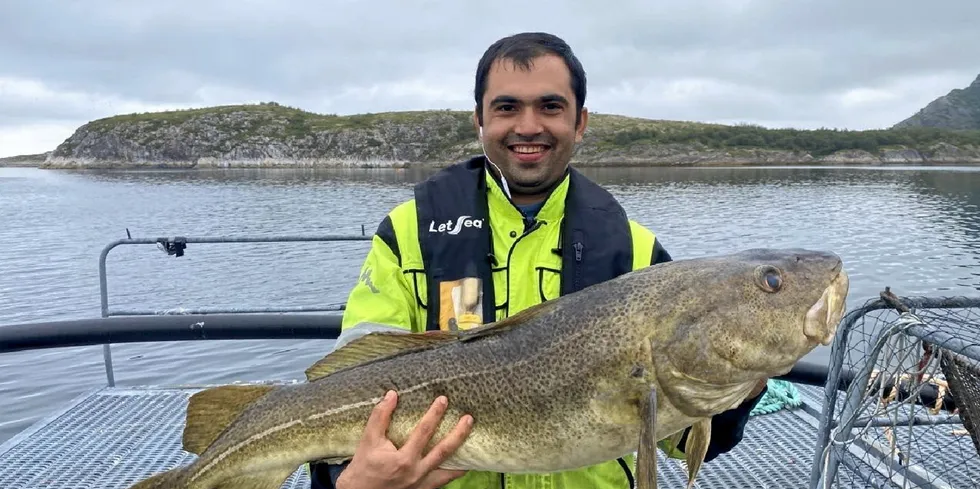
[
  {"x": 773, "y": 62},
  {"x": 141, "y": 50},
  {"x": 802, "y": 46}
]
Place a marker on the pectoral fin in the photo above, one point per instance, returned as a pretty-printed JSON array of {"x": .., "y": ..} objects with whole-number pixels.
[
  {"x": 646, "y": 457},
  {"x": 696, "y": 448}
]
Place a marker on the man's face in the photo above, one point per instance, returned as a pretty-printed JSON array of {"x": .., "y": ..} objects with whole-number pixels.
[{"x": 529, "y": 123}]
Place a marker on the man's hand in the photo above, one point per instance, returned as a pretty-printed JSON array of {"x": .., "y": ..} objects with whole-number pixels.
[
  {"x": 758, "y": 389},
  {"x": 377, "y": 463}
]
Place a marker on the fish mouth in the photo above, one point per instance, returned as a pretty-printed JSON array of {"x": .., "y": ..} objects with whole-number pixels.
[{"x": 820, "y": 323}]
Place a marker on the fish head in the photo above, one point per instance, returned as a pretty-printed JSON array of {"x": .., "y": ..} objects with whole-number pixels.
[{"x": 744, "y": 317}]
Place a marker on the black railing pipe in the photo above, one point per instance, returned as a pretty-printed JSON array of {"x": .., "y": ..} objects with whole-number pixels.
[
  {"x": 188, "y": 327},
  {"x": 177, "y": 327},
  {"x": 815, "y": 374}
]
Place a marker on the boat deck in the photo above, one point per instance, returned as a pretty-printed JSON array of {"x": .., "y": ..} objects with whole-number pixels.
[{"x": 112, "y": 437}]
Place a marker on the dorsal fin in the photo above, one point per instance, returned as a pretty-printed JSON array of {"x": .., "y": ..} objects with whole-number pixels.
[
  {"x": 376, "y": 346},
  {"x": 380, "y": 345},
  {"x": 509, "y": 323},
  {"x": 210, "y": 411}
]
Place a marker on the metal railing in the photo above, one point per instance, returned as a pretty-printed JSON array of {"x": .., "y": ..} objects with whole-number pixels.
[
  {"x": 176, "y": 246},
  {"x": 125, "y": 326},
  {"x": 122, "y": 326},
  {"x": 168, "y": 327}
]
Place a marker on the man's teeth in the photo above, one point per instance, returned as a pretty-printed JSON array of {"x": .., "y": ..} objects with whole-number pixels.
[{"x": 527, "y": 149}]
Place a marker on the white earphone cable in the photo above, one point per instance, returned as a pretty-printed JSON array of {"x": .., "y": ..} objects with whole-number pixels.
[{"x": 503, "y": 180}]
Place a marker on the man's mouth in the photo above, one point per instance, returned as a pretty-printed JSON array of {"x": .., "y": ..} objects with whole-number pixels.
[{"x": 529, "y": 152}]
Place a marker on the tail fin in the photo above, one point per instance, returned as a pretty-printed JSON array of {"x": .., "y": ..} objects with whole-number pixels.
[{"x": 171, "y": 479}]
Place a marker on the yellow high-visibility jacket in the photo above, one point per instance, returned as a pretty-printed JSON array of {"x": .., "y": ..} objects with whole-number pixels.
[{"x": 461, "y": 224}]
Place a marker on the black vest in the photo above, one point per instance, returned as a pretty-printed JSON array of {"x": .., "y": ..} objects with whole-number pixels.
[{"x": 455, "y": 239}]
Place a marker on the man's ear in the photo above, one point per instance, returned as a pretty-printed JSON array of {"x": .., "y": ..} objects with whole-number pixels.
[
  {"x": 582, "y": 123},
  {"x": 476, "y": 125}
]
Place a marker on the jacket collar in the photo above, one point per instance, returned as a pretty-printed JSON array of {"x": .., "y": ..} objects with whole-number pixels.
[{"x": 552, "y": 210}]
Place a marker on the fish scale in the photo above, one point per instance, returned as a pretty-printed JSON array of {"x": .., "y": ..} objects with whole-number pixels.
[{"x": 578, "y": 380}]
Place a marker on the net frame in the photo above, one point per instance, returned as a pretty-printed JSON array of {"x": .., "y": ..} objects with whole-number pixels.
[{"x": 889, "y": 402}]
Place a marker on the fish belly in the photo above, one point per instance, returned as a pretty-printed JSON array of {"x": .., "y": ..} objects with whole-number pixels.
[
  {"x": 574, "y": 439},
  {"x": 555, "y": 452}
]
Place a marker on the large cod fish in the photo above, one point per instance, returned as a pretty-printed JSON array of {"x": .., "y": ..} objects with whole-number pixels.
[{"x": 582, "y": 379}]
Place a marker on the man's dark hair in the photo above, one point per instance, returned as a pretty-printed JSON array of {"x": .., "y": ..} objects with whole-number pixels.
[{"x": 521, "y": 49}]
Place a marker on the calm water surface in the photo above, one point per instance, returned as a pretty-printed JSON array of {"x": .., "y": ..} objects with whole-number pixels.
[{"x": 914, "y": 229}]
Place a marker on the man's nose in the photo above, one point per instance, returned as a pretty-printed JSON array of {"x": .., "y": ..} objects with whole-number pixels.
[{"x": 529, "y": 124}]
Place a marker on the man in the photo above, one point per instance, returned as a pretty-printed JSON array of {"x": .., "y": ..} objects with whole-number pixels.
[{"x": 518, "y": 222}]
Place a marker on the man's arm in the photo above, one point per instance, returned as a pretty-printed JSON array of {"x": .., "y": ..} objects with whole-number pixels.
[
  {"x": 728, "y": 427},
  {"x": 382, "y": 295},
  {"x": 660, "y": 255}
]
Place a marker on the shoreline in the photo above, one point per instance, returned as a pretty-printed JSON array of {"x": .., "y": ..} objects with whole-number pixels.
[
  {"x": 424, "y": 166},
  {"x": 695, "y": 162},
  {"x": 269, "y": 135},
  {"x": 21, "y": 164}
]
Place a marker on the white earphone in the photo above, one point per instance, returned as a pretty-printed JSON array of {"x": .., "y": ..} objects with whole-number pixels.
[{"x": 502, "y": 179}]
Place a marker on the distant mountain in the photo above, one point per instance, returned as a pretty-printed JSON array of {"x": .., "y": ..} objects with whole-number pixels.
[
  {"x": 959, "y": 109},
  {"x": 271, "y": 135}
]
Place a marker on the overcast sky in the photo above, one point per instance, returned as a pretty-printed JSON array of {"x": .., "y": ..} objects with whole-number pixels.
[{"x": 803, "y": 63}]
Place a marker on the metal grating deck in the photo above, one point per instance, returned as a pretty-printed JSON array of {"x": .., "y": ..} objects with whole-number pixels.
[
  {"x": 113, "y": 437},
  {"x": 934, "y": 451}
]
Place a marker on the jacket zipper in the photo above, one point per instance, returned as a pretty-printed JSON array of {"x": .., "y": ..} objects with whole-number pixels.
[
  {"x": 510, "y": 252},
  {"x": 579, "y": 248}
]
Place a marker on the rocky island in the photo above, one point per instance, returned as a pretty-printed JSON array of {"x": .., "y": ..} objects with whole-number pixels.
[
  {"x": 273, "y": 135},
  {"x": 24, "y": 160}
]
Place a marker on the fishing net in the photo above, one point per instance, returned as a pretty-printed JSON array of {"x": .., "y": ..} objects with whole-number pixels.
[
  {"x": 906, "y": 409},
  {"x": 964, "y": 382}
]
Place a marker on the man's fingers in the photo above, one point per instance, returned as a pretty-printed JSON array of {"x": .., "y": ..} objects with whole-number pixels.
[
  {"x": 448, "y": 445},
  {"x": 427, "y": 426},
  {"x": 377, "y": 423}
]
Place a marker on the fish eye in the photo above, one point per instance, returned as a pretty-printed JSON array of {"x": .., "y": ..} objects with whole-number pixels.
[{"x": 770, "y": 279}]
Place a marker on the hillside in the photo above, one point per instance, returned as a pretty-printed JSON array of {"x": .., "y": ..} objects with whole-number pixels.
[
  {"x": 270, "y": 134},
  {"x": 959, "y": 109},
  {"x": 23, "y": 160}
]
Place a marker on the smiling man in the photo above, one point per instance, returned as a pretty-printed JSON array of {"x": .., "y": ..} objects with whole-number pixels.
[
  {"x": 488, "y": 237},
  {"x": 530, "y": 116}
]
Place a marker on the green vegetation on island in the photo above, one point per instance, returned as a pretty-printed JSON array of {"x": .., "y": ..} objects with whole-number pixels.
[
  {"x": 270, "y": 134},
  {"x": 23, "y": 160},
  {"x": 816, "y": 142}
]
